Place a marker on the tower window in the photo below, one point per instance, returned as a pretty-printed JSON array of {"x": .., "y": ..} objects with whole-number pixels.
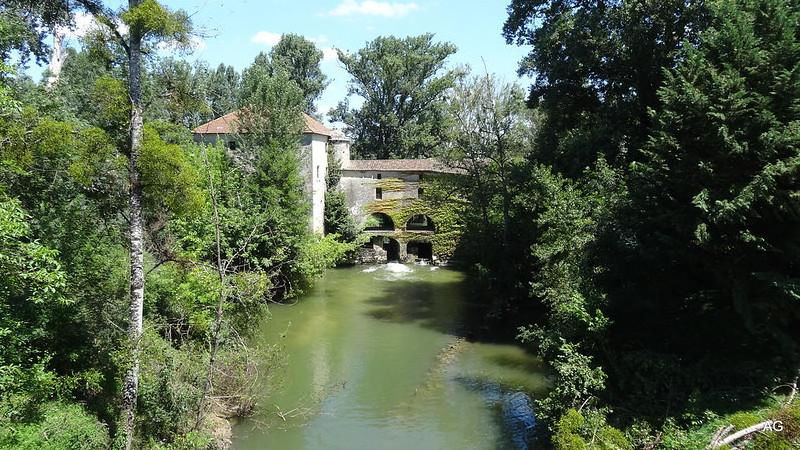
[
  {"x": 419, "y": 192},
  {"x": 232, "y": 145},
  {"x": 378, "y": 176},
  {"x": 378, "y": 193}
]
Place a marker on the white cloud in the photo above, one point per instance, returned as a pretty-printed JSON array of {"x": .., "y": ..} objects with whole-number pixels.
[
  {"x": 266, "y": 37},
  {"x": 373, "y": 8},
  {"x": 329, "y": 54},
  {"x": 321, "y": 39}
]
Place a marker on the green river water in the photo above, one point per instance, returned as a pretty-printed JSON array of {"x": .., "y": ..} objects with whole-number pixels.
[{"x": 375, "y": 360}]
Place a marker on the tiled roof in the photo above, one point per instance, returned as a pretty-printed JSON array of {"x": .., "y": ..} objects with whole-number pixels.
[
  {"x": 400, "y": 165},
  {"x": 315, "y": 126},
  {"x": 227, "y": 124}
]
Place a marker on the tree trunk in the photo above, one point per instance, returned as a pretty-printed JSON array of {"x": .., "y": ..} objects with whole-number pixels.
[{"x": 131, "y": 383}]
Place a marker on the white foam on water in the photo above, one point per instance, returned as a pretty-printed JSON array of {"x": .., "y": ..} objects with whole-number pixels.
[
  {"x": 398, "y": 268},
  {"x": 434, "y": 268},
  {"x": 370, "y": 269}
]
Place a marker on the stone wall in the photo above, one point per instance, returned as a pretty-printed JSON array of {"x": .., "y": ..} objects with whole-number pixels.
[
  {"x": 359, "y": 189},
  {"x": 313, "y": 168}
]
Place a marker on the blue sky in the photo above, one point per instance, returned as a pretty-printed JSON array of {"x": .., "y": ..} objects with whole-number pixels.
[{"x": 236, "y": 31}]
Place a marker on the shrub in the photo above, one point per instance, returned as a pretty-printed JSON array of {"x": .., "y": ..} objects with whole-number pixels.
[{"x": 62, "y": 426}]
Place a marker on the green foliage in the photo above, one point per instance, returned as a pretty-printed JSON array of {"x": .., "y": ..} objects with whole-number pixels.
[
  {"x": 597, "y": 67},
  {"x": 22, "y": 25},
  {"x": 403, "y": 83},
  {"x": 155, "y": 22},
  {"x": 338, "y": 219},
  {"x": 299, "y": 58},
  {"x": 61, "y": 426},
  {"x": 169, "y": 181},
  {"x": 574, "y": 431},
  {"x": 170, "y": 387},
  {"x": 666, "y": 273},
  {"x": 323, "y": 253}
]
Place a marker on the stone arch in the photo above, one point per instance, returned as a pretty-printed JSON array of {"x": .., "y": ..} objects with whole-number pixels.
[
  {"x": 387, "y": 248},
  {"x": 420, "y": 222},
  {"x": 378, "y": 222}
]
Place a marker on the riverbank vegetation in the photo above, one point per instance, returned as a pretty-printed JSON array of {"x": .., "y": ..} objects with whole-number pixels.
[
  {"x": 220, "y": 237},
  {"x": 650, "y": 223},
  {"x": 633, "y": 218}
]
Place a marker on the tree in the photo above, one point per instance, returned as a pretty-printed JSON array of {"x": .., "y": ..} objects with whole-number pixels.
[
  {"x": 597, "y": 67},
  {"x": 25, "y": 25},
  {"x": 716, "y": 191},
  {"x": 490, "y": 135},
  {"x": 403, "y": 83},
  {"x": 223, "y": 90},
  {"x": 300, "y": 59},
  {"x": 338, "y": 219},
  {"x": 148, "y": 22},
  {"x": 177, "y": 92}
]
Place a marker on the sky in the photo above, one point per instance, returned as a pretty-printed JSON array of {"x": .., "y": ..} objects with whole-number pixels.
[{"x": 235, "y": 31}]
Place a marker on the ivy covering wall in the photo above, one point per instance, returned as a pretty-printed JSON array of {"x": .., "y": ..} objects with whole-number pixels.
[{"x": 440, "y": 202}]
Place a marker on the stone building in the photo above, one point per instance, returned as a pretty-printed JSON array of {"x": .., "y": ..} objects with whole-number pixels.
[{"x": 386, "y": 197}]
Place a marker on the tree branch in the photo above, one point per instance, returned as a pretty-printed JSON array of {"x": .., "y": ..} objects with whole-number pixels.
[{"x": 104, "y": 17}]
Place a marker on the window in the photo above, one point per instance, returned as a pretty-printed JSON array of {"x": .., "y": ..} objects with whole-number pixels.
[
  {"x": 317, "y": 171},
  {"x": 232, "y": 145},
  {"x": 419, "y": 192},
  {"x": 378, "y": 176},
  {"x": 378, "y": 193}
]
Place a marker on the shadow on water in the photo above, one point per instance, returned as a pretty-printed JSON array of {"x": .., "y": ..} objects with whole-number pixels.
[
  {"x": 517, "y": 362},
  {"x": 512, "y": 411},
  {"x": 444, "y": 307}
]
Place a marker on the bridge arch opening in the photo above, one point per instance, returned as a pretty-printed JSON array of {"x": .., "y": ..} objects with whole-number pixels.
[
  {"x": 388, "y": 245},
  {"x": 420, "y": 222},
  {"x": 378, "y": 222},
  {"x": 420, "y": 250}
]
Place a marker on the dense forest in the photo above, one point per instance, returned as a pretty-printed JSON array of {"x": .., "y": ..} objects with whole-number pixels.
[{"x": 633, "y": 217}]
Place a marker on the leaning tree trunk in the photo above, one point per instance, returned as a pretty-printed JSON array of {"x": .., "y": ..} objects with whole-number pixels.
[{"x": 131, "y": 383}]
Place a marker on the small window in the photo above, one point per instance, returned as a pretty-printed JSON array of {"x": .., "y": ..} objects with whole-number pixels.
[
  {"x": 378, "y": 193},
  {"x": 419, "y": 192},
  {"x": 420, "y": 177},
  {"x": 317, "y": 171},
  {"x": 378, "y": 176},
  {"x": 232, "y": 145}
]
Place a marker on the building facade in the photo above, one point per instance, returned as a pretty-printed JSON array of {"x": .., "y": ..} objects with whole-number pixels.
[{"x": 386, "y": 197}]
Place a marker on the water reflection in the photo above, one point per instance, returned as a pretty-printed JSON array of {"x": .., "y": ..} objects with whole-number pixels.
[{"x": 378, "y": 359}]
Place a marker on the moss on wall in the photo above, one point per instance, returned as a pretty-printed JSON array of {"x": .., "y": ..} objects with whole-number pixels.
[{"x": 392, "y": 184}]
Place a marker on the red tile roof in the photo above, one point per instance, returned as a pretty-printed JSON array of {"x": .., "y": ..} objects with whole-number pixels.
[
  {"x": 227, "y": 124},
  {"x": 400, "y": 165}
]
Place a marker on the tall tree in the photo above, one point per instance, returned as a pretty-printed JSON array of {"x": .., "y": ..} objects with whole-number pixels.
[
  {"x": 403, "y": 83},
  {"x": 148, "y": 22},
  {"x": 717, "y": 189},
  {"x": 223, "y": 90},
  {"x": 490, "y": 135},
  {"x": 597, "y": 66},
  {"x": 300, "y": 59}
]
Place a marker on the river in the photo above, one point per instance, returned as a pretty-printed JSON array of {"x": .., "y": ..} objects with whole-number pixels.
[{"x": 375, "y": 359}]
